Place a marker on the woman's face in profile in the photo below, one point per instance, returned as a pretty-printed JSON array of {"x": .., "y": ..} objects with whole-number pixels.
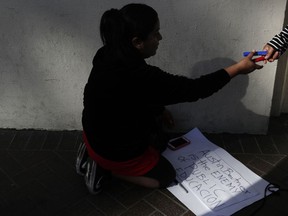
[{"x": 150, "y": 45}]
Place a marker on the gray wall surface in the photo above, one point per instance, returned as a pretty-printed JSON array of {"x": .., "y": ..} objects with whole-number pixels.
[{"x": 47, "y": 49}]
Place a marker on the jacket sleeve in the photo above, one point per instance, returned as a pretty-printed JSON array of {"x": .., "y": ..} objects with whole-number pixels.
[
  {"x": 194, "y": 89},
  {"x": 167, "y": 89}
]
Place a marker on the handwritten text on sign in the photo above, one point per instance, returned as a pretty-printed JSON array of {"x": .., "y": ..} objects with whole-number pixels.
[{"x": 212, "y": 180}]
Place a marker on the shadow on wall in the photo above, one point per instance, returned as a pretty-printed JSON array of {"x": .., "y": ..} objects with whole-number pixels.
[{"x": 223, "y": 111}]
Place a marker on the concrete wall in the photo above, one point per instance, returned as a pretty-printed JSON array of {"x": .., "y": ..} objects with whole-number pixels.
[{"x": 47, "y": 49}]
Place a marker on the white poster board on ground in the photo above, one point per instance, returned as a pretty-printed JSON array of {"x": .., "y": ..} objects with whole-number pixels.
[{"x": 212, "y": 182}]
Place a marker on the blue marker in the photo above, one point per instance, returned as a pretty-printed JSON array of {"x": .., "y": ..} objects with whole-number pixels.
[{"x": 257, "y": 53}]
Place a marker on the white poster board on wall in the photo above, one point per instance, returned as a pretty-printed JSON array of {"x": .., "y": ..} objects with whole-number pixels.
[{"x": 211, "y": 181}]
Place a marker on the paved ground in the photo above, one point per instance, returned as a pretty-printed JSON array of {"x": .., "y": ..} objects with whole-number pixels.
[{"x": 37, "y": 176}]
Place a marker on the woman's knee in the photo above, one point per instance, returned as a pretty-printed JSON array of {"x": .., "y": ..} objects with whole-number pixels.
[
  {"x": 160, "y": 176},
  {"x": 140, "y": 180},
  {"x": 163, "y": 172},
  {"x": 168, "y": 179}
]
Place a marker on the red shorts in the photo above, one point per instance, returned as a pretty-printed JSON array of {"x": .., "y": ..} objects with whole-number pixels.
[{"x": 135, "y": 167}]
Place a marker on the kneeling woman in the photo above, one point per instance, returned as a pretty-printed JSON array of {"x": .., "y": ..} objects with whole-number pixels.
[{"x": 125, "y": 99}]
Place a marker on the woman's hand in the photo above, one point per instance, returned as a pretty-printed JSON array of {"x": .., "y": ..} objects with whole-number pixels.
[{"x": 244, "y": 66}]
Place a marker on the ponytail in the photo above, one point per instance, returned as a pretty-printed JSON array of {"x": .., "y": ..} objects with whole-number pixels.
[{"x": 112, "y": 28}]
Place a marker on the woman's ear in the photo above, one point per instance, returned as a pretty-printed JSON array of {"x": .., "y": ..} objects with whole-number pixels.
[{"x": 137, "y": 43}]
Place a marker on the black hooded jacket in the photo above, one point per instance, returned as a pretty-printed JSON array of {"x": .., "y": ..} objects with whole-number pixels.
[{"x": 121, "y": 101}]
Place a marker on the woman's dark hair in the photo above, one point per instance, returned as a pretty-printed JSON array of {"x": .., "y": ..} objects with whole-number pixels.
[{"x": 118, "y": 27}]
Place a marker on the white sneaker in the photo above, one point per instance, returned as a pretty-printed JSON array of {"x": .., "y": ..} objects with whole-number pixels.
[
  {"x": 94, "y": 177},
  {"x": 81, "y": 160}
]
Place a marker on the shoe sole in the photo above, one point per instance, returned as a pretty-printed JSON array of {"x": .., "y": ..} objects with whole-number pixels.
[
  {"x": 90, "y": 179},
  {"x": 80, "y": 155}
]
